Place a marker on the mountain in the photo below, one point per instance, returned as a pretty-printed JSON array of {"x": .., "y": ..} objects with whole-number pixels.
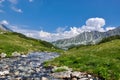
[
  {"x": 11, "y": 42},
  {"x": 4, "y": 28},
  {"x": 86, "y": 38}
]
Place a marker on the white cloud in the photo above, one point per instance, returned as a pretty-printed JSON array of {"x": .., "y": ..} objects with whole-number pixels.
[
  {"x": 110, "y": 28},
  {"x": 31, "y": 0},
  {"x": 61, "y": 29},
  {"x": 5, "y": 22},
  {"x": 1, "y": 1},
  {"x": 13, "y": 1},
  {"x": 16, "y": 9},
  {"x": 94, "y": 24}
]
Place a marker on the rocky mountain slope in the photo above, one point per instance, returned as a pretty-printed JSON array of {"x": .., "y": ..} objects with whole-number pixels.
[
  {"x": 86, "y": 38},
  {"x": 4, "y": 28}
]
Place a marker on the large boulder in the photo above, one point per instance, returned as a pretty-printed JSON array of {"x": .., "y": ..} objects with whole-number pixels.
[
  {"x": 3, "y": 55},
  {"x": 15, "y": 54}
]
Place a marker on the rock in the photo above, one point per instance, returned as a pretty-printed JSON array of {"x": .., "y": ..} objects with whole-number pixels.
[
  {"x": 38, "y": 69},
  {"x": 15, "y": 54},
  {"x": 62, "y": 75},
  {"x": 17, "y": 73},
  {"x": 21, "y": 68},
  {"x": 24, "y": 56},
  {"x": 44, "y": 78},
  {"x": 77, "y": 74},
  {"x": 18, "y": 78},
  {"x": 84, "y": 79},
  {"x": 6, "y": 72},
  {"x": 2, "y": 73},
  {"x": 6, "y": 67},
  {"x": 30, "y": 71},
  {"x": 3, "y": 55},
  {"x": 89, "y": 75},
  {"x": 74, "y": 79}
]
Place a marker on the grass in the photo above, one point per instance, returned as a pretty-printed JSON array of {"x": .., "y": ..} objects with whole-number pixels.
[
  {"x": 60, "y": 70},
  {"x": 101, "y": 60},
  {"x": 12, "y": 41}
]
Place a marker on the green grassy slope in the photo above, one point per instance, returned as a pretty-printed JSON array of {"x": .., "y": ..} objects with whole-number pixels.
[
  {"x": 11, "y": 42},
  {"x": 101, "y": 60}
]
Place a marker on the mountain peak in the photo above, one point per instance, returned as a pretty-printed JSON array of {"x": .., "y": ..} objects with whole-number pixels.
[{"x": 4, "y": 28}]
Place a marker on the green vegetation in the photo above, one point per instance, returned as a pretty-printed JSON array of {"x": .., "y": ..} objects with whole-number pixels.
[
  {"x": 101, "y": 60},
  {"x": 109, "y": 39},
  {"x": 60, "y": 70},
  {"x": 12, "y": 41}
]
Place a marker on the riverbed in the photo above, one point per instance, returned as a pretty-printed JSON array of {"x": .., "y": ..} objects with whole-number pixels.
[
  {"x": 30, "y": 67},
  {"x": 26, "y": 67}
]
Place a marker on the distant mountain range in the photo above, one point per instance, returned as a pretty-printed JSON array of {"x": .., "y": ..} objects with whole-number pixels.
[
  {"x": 86, "y": 38},
  {"x": 4, "y": 28}
]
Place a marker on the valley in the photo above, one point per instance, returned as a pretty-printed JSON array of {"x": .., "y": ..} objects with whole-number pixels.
[{"x": 90, "y": 61}]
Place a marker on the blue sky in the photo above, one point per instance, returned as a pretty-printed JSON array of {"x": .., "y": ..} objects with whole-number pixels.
[{"x": 54, "y": 16}]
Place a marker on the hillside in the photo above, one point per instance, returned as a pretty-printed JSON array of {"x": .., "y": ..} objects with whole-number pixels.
[
  {"x": 15, "y": 42},
  {"x": 102, "y": 60},
  {"x": 86, "y": 38}
]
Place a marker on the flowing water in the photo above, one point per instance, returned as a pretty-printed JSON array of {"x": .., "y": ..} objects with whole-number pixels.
[{"x": 27, "y": 67}]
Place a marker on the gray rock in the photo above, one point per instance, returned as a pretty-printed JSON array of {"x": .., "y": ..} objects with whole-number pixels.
[
  {"x": 3, "y": 55},
  {"x": 61, "y": 75},
  {"x": 74, "y": 79},
  {"x": 17, "y": 73},
  {"x": 24, "y": 56},
  {"x": 15, "y": 54},
  {"x": 44, "y": 78}
]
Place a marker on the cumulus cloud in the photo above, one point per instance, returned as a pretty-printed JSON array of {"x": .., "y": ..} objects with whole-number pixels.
[
  {"x": 5, "y": 22},
  {"x": 16, "y": 9},
  {"x": 92, "y": 24}
]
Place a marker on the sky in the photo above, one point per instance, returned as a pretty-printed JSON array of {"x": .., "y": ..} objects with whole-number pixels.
[{"x": 52, "y": 20}]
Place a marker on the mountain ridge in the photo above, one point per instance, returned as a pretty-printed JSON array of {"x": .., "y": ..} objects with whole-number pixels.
[
  {"x": 3, "y": 28},
  {"x": 86, "y": 38}
]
